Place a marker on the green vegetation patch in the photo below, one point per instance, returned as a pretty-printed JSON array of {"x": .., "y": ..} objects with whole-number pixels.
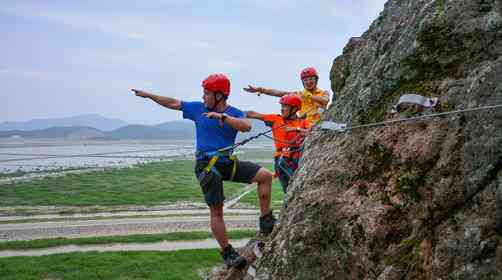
[
  {"x": 17, "y": 173},
  {"x": 145, "y": 184},
  {"x": 183, "y": 265},
  {"x": 406, "y": 258},
  {"x": 140, "y": 238},
  {"x": 381, "y": 109},
  {"x": 408, "y": 183},
  {"x": 440, "y": 7},
  {"x": 377, "y": 159}
]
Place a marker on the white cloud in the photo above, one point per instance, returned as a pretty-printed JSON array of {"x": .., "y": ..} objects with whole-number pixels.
[
  {"x": 164, "y": 31},
  {"x": 170, "y": 53}
]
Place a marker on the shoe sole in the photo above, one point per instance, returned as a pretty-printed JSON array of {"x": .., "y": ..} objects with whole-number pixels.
[{"x": 239, "y": 265}]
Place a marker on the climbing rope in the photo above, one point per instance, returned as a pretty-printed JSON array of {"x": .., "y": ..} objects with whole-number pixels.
[
  {"x": 245, "y": 141},
  {"x": 343, "y": 128}
]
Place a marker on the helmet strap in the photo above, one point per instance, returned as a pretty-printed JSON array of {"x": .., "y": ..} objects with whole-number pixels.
[
  {"x": 316, "y": 82},
  {"x": 218, "y": 100},
  {"x": 291, "y": 114}
]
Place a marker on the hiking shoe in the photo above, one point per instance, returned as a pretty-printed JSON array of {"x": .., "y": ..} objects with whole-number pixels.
[
  {"x": 267, "y": 223},
  {"x": 232, "y": 258}
]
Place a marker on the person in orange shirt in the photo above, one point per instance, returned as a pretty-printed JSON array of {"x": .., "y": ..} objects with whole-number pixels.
[
  {"x": 288, "y": 132},
  {"x": 314, "y": 99}
]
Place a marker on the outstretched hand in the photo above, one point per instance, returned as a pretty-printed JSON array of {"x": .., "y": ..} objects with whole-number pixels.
[
  {"x": 213, "y": 115},
  {"x": 252, "y": 89},
  {"x": 140, "y": 93}
]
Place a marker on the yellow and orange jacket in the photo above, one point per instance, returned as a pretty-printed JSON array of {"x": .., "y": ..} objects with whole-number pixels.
[{"x": 310, "y": 109}]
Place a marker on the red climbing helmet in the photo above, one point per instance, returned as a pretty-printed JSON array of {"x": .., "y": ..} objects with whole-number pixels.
[
  {"x": 309, "y": 72},
  {"x": 217, "y": 83},
  {"x": 292, "y": 100}
]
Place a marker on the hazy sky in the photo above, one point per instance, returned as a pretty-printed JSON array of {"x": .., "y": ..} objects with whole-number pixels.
[{"x": 63, "y": 58}]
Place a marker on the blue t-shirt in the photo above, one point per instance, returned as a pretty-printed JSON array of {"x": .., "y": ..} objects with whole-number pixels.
[{"x": 210, "y": 136}]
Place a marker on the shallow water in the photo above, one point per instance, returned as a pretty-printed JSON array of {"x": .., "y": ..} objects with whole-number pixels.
[
  {"x": 30, "y": 155},
  {"x": 48, "y": 154}
]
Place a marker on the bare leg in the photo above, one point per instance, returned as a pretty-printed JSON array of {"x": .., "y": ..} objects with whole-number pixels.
[
  {"x": 264, "y": 180},
  {"x": 218, "y": 225}
]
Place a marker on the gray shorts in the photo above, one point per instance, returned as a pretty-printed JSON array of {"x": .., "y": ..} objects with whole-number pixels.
[{"x": 213, "y": 190}]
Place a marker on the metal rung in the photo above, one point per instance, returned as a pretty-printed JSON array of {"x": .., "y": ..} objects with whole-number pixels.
[
  {"x": 426, "y": 102},
  {"x": 252, "y": 271},
  {"x": 257, "y": 250},
  {"x": 333, "y": 126}
]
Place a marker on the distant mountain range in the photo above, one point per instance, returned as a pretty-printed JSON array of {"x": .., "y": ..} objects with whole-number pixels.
[
  {"x": 176, "y": 130},
  {"x": 90, "y": 120}
]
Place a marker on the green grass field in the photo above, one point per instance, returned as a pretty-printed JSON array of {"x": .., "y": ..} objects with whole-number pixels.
[
  {"x": 146, "y": 184},
  {"x": 182, "y": 265}
]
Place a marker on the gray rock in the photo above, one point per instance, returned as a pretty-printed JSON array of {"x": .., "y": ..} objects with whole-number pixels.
[
  {"x": 416, "y": 200},
  {"x": 413, "y": 200}
]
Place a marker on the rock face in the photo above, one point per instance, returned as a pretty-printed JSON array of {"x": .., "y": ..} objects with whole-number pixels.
[{"x": 413, "y": 200}]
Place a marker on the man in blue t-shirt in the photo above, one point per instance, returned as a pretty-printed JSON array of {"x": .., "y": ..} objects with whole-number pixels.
[{"x": 217, "y": 124}]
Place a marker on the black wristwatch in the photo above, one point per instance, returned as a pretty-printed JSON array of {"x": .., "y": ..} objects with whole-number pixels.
[{"x": 223, "y": 117}]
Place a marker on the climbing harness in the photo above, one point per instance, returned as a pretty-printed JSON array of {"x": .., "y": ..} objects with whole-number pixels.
[
  {"x": 289, "y": 164},
  {"x": 210, "y": 170},
  {"x": 207, "y": 173}
]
